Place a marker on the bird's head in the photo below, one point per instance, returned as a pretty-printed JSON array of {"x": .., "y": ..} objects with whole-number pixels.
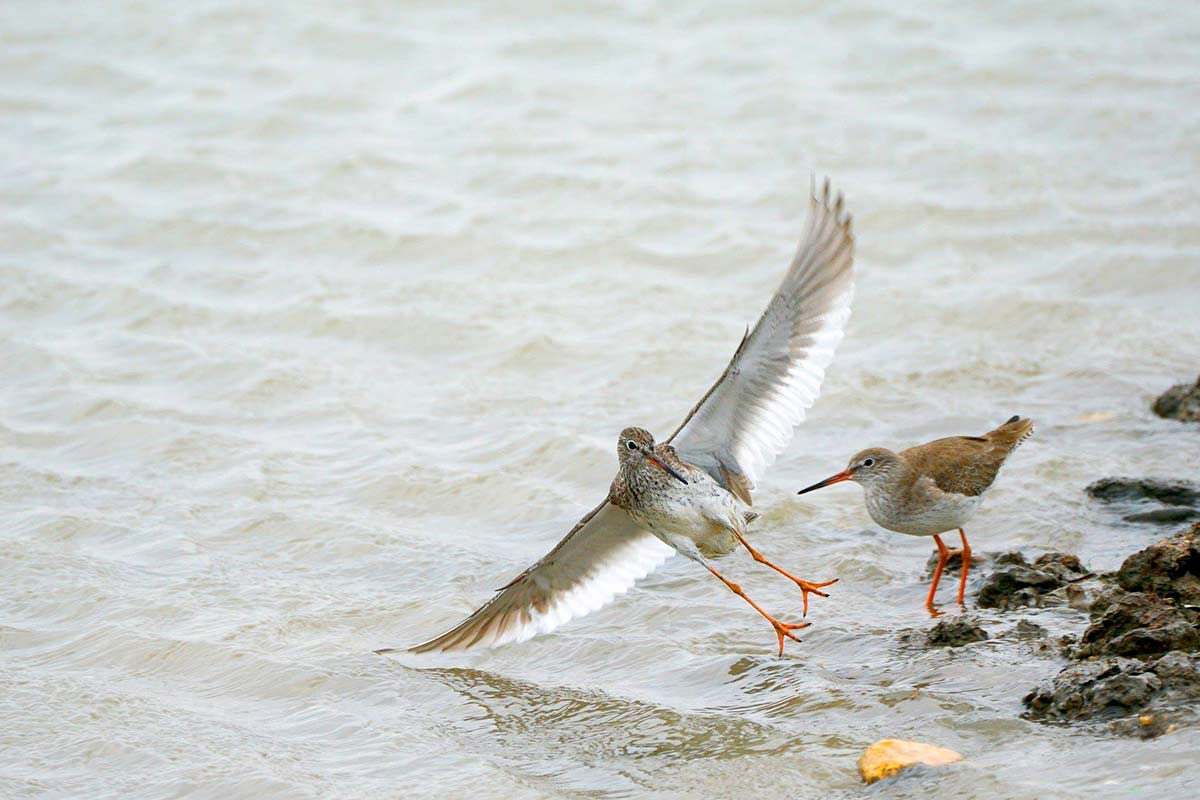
[
  {"x": 870, "y": 467},
  {"x": 635, "y": 448}
]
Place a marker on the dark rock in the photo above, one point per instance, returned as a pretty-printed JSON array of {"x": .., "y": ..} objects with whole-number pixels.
[
  {"x": 1093, "y": 689},
  {"x": 1144, "y": 622},
  {"x": 1063, "y": 566},
  {"x": 1028, "y": 597},
  {"x": 1068, "y": 569},
  {"x": 1066, "y": 645},
  {"x": 1144, "y": 726},
  {"x": 1105, "y": 598},
  {"x": 1016, "y": 582},
  {"x": 1068, "y": 561},
  {"x": 1179, "y": 671},
  {"x": 1164, "y": 516},
  {"x": 1029, "y": 630},
  {"x": 1179, "y": 633},
  {"x": 1169, "y": 568},
  {"x": 1180, "y": 402},
  {"x": 1139, "y": 624},
  {"x": 1037, "y": 638},
  {"x": 955, "y": 632},
  {"x": 1078, "y": 597},
  {"x": 1011, "y": 557},
  {"x": 1015, "y": 585},
  {"x": 1175, "y": 501},
  {"x": 1134, "y": 693},
  {"x": 1141, "y": 490},
  {"x": 953, "y": 564}
]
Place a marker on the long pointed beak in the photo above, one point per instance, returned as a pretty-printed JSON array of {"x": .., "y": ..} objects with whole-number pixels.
[
  {"x": 844, "y": 475},
  {"x": 658, "y": 462}
]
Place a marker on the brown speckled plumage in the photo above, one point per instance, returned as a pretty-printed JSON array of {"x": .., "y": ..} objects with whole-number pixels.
[{"x": 725, "y": 443}]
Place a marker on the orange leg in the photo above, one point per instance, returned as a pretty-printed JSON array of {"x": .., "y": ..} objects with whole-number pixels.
[
  {"x": 782, "y": 629},
  {"x": 966, "y": 559},
  {"x": 805, "y": 586},
  {"x": 943, "y": 557}
]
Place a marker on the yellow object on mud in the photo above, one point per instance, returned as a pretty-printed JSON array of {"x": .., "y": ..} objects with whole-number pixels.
[{"x": 889, "y": 756}]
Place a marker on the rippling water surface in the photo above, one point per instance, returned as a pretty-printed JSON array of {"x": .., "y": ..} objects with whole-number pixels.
[{"x": 317, "y": 323}]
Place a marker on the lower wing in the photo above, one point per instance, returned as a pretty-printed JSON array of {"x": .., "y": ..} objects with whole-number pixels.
[{"x": 602, "y": 557}]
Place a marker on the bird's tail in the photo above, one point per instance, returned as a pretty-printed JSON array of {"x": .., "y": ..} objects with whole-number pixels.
[{"x": 1011, "y": 433}]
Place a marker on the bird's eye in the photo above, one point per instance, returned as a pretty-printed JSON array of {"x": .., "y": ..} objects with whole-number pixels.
[
  {"x": 631, "y": 444},
  {"x": 868, "y": 462}
]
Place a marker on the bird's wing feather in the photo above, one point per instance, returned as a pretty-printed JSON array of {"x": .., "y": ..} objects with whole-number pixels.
[
  {"x": 968, "y": 465},
  {"x": 749, "y": 415},
  {"x": 602, "y": 557},
  {"x": 965, "y": 465},
  {"x": 734, "y": 432}
]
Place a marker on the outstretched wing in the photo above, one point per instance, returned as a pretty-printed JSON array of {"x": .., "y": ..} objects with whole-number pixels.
[
  {"x": 734, "y": 433},
  {"x": 602, "y": 557},
  {"x": 749, "y": 415}
]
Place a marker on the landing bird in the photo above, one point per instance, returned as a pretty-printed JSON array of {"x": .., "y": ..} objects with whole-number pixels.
[
  {"x": 692, "y": 494},
  {"x": 933, "y": 488},
  {"x": 683, "y": 506}
]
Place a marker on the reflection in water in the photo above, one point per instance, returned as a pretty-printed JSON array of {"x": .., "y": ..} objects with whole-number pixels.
[{"x": 596, "y": 725}]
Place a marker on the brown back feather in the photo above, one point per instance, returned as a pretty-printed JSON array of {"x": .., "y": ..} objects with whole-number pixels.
[{"x": 968, "y": 464}]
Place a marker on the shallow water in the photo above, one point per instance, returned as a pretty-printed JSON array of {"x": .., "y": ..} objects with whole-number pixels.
[{"x": 318, "y": 324}]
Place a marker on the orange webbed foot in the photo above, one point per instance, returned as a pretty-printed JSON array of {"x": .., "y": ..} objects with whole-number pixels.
[
  {"x": 808, "y": 587},
  {"x": 783, "y": 629}
]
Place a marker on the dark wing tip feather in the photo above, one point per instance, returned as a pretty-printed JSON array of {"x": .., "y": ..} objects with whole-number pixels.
[
  {"x": 746, "y": 417},
  {"x": 469, "y": 631},
  {"x": 1014, "y": 431},
  {"x": 842, "y": 218}
]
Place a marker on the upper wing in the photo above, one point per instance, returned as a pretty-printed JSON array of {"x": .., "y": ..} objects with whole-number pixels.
[
  {"x": 602, "y": 556},
  {"x": 734, "y": 432},
  {"x": 964, "y": 465},
  {"x": 749, "y": 415},
  {"x": 969, "y": 464}
]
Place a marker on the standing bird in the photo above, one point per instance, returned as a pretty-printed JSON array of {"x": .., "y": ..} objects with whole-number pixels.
[
  {"x": 933, "y": 488},
  {"x": 692, "y": 494}
]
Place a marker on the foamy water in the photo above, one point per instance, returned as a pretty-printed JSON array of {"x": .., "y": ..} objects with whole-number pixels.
[{"x": 318, "y": 323}]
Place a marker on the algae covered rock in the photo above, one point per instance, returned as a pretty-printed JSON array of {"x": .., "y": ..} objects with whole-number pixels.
[
  {"x": 1142, "y": 674},
  {"x": 1140, "y": 698},
  {"x": 955, "y": 632},
  {"x": 1169, "y": 568},
  {"x": 1138, "y": 624},
  {"x": 1014, "y": 584}
]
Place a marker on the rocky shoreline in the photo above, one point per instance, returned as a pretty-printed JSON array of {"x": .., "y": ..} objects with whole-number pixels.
[{"x": 1136, "y": 666}]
